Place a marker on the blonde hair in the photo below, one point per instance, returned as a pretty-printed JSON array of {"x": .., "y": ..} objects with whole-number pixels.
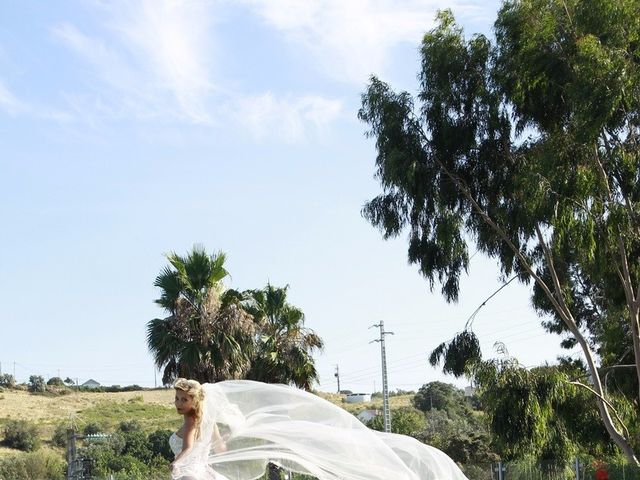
[{"x": 196, "y": 392}]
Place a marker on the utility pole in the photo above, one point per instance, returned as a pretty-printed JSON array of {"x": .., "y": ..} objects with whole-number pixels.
[
  {"x": 337, "y": 375},
  {"x": 385, "y": 387}
]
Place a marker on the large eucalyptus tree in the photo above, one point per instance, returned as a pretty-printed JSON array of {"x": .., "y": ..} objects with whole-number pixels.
[{"x": 529, "y": 150}]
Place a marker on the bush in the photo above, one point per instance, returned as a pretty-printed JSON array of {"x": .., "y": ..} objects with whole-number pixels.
[
  {"x": 130, "y": 426},
  {"x": 159, "y": 444},
  {"x": 21, "y": 435},
  {"x": 56, "y": 382},
  {"x": 36, "y": 384},
  {"x": 59, "y": 438},
  {"x": 405, "y": 420},
  {"x": 44, "y": 465},
  {"x": 7, "y": 380},
  {"x": 91, "y": 428},
  {"x": 106, "y": 461},
  {"x": 137, "y": 445}
]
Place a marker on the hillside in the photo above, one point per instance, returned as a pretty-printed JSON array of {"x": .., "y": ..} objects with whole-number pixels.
[{"x": 152, "y": 408}]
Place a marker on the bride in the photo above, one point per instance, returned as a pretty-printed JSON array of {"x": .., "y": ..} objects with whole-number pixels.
[{"x": 232, "y": 430}]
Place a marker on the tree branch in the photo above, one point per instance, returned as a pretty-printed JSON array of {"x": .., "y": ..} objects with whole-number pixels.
[{"x": 604, "y": 400}]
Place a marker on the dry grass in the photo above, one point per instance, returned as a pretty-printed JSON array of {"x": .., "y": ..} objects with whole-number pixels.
[
  {"x": 16, "y": 404},
  {"x": 153, "y": 409},
  {"x": 149, "y": 407}
]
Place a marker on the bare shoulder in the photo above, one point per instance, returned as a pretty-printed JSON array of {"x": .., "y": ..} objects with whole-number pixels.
[{"x": 189, "y": 422}]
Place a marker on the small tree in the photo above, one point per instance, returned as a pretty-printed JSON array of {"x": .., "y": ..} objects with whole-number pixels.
[
  {"x": 7, "y": 380},
  {"x": 55, "y": 381},
  {"x": 405, "y": 421},
  {"x": 36, "y": 384},
  {"x": 442, "y": 396}
]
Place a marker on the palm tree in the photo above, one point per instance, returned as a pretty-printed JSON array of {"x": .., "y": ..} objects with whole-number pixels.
[
  {"x": 207, "y": 335},
  {"x": 284, "y": 346}
]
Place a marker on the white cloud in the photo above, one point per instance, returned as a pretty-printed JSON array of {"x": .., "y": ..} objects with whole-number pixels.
[
  {"x": 8, "y": 101},
  {"x": 350, "y": 40},
  {"x": 154, "y": 54},
  {"x": 156, "y": 60},
  {"x": 288, "y": 119}
]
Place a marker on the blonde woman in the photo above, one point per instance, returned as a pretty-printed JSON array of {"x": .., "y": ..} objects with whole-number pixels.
[
  {"x": 191, "y": 449},
  {"x": 293, "y": 429}
]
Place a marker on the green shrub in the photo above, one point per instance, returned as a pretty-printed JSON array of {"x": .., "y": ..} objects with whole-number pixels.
[
  {"x": 137, "y": 445},
  {"x": 7, "y": 380},
  {"x": 159, "y": 444},
  {"x": 59, "y": 438},
  {"x": 36, "y": 384},
  {"x": 21, "y": 435},
  {"x": 44, "y": 465},
  {"x": 130, "y": 426},
  {"x": 56, "y": 382},
  {"x": 91, "y": 428}
]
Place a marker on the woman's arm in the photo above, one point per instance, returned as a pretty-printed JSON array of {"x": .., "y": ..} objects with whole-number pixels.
[
  {"x": 188, "y": 438},
  {"x": 218, "y": 444}
]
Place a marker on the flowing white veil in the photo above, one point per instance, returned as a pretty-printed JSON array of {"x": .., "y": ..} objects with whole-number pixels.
[{"x": 265, "y": 423}]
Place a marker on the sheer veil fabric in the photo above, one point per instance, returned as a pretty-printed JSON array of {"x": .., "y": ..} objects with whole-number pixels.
[{"x": 265, "y": 423}]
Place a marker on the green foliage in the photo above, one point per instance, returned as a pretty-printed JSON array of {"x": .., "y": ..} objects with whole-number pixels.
[
  {"x": 215, "y": 334},
  {"x": 128, "y": 426},
  {"x": 463, "y": 436},
  {"x": 538, "y": 414},
  {"x": 284, "y": 348},
  {"x": 129, "y": 452},
  {"x": 471, "y": 448},
  {"x": 405, "y": 421},
  {"x": 441, "y": 396},
  {"x": 92, "y": 428},
  {"x": 21, "y": 435},
  {"x": 109, "y": 415},
  {"x": 207, "y": 335},
  {"x": 7, "y": 380},
  {"x": 528, "y": 151},
  {"x": 29, "y": 466},
  {"x": 36, "y": 384},
  {"x": 459, "y": 355},
  {"x": 59, "y": 437},
  {"x": 55, "y": 381},
  {"x": 137, "y": 445},
  {"x": 159, "y": 444}
]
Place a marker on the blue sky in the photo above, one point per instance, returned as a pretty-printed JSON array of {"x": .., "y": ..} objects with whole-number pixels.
[{"x": 132, "y": 129}]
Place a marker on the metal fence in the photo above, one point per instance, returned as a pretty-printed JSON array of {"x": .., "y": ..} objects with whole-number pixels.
[{"x": 578, "y": 469}]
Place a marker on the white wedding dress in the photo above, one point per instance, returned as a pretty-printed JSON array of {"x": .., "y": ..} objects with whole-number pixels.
[{"x": 298, "y": 431}]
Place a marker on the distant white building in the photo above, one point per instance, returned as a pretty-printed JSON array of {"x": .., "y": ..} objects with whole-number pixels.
[
  {"x": 368, "y": 415},
  {"x": 358, "y": 398},
  {"x": 91, "y": 383}
]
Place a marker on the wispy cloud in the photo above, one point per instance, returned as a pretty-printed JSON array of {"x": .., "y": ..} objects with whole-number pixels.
[
  {"x": 288, "y": 119},
  {"x": 350, "y": 40},
  {"x": 8, "y": 101},
  {"x": 153, "y": 55}
]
